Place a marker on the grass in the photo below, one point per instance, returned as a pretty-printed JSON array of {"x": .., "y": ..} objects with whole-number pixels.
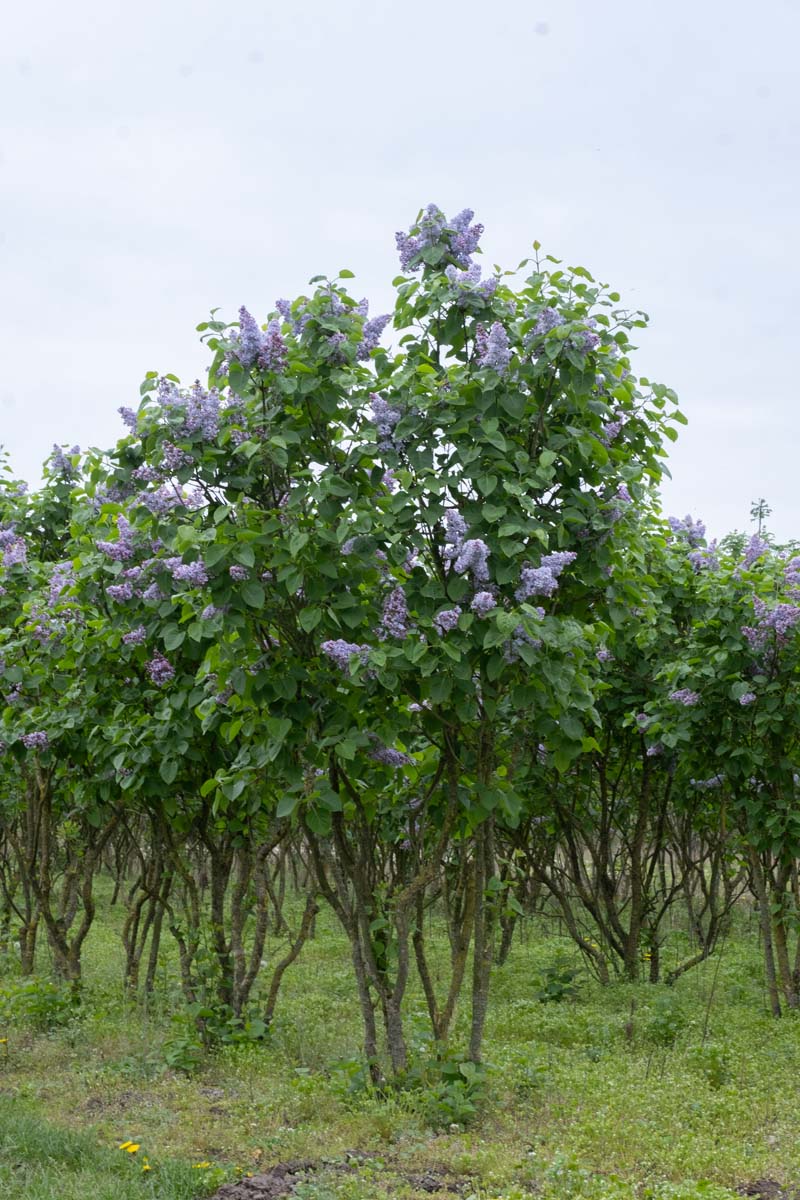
[{"x": 628, "y": 1091}]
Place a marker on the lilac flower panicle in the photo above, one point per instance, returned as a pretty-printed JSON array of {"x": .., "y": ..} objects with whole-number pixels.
[
  {"x": 472, "y": 557},
  {"x": 446, "y": 621},
  {"x": 643, "y": 720},
  {"x": 389, "y": 482},
  {"x": 704, "y": 558},
  {"x": 384, "y": 754},
  {"x": 146, "y": 474},
  {"x": 623, "y": 494},
  {"x": 496, "y": 352},
  {"x": 15, "y": 553},
  {"x": 394, "y": 618},
  {"x": 135, "y": 637},
  {"x": 120, "y": 591},
  {"x": 174, "y": 458},
  {"x": 536, "y": 581},
  {"x": 248, "y": 339},
  {"x": 160, "y": 670},
  {"x": 706, "y": 785},
  {"x": 341, "y": 652},
  {"x": 519, "y": 638},
  {"x": 128, "y": 416},
  {"x": 655, "y": 750},
  {"x": 371, "y": 335},
  {"x": 210, "y": 611},
  {"x": 239, "y": 572},
  {"x": 385, "y": 418},
  {"x": 193, "y": 573},
  {"x": 456, "y": 238},
  {"x": 755, "y": 549},
  {"x": 35, "y": 741},
  {"x": 62, "y": 465},
  {"x": 455, "y": 530},
  {"x": 273, "y": 352},
  {"x": 773, "y": 625},
  {"x": 548, "y": 318},
  {"x": 611, "y": 431},
  {"x": 558, "y": 560},
  {"x": 152, "y": 592},
  {"x": 685, "y": 696},
  {"x": 747, "y": 698},
  {"x": 604, "y": 654},
  {"x": 692, "y": 531},
  {"x": 483, "y": 603}
]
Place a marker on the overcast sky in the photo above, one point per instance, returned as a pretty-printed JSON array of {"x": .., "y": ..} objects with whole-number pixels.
[{"x": 160, "y": 158}]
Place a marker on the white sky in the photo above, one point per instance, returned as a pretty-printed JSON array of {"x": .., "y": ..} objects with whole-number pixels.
[{"x": 159, "y": 158}]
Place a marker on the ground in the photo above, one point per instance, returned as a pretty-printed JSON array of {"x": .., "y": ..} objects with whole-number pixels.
[{"x": 625, "y": 1091}]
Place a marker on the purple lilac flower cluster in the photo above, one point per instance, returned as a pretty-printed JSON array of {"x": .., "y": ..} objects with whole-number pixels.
[
  {"x": 299, "y": 322},
  {"x": 195, "y": 574},
  {"x": 163, "y": 500},
  {"x": 128, "y": 416},
  {"x": 468, "y": 284},
  {"x": 341, "y": 652},
  {"x": 120, "y": 591},
  {"x": 791, "y": 573},
  {"x": 704, "y": 558},
  {"x": 61, "y": 578},
  {"x": 394, "y": 617},
  {"x": 747, "y": 698},
  {"x": 519, "y": 638},
  {"x": 543, "y": 580},
  {"x": 689, "y": 530},
  {"x": 385, "y": 418},
  {"x": 772, "y": 624},
  {"x": 35, "y": 741},
  {"x": 15, "y": 550},
  {"x": 254, "y": 346},
  {"x": 445, "y": 622},
  {"x": 61, "y": 464},
  {"x": 483, "y": 603},
  {"x": 685, "y": 696},
  {"x": 122, "y": 549},
  {"x": 707, "y": 785},
  {"x": 494, "y": 348},
  {"x": 611, "y": 429},
  {"x": 371, "y": 334},
  {"x": 547, "y": 319},
  {"x": 457, "y": 238},
  {"x": 755, "y": 548},
  {"x": 384, "y": 754},
  {"x": 135, "y": 637},
  {"x": 472, "y": 556},
  {"x": 238, "y": 572},
  {"x": 173, "y": 458},
  {"x": 160, "y": 670}
]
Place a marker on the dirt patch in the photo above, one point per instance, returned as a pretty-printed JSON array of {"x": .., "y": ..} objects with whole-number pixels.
[
  {"x": 267, "y": 1185},
  {"x": 280, "y": 1181},
  {"x": 768, "y": 1189}
]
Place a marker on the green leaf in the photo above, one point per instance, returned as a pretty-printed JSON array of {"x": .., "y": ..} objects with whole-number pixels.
[
  {"x": 309, "y": 618},
  {"x": 253, "y": 594},
  {"x": 173, "y": 637},
  {"x": 286, "y": 805}
]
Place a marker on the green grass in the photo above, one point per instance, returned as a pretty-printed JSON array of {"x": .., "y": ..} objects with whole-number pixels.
[{"x": 693, "y": 1094}]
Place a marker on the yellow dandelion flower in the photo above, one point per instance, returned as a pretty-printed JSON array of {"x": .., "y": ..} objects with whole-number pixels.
[
  {"x": 3, "y": 1041},
  {"x": 130, "y": 1147},
  {"x": 201, "y": 1166}
]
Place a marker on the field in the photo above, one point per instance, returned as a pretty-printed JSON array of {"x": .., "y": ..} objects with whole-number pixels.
[{"x": 602, "y": 1093}]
